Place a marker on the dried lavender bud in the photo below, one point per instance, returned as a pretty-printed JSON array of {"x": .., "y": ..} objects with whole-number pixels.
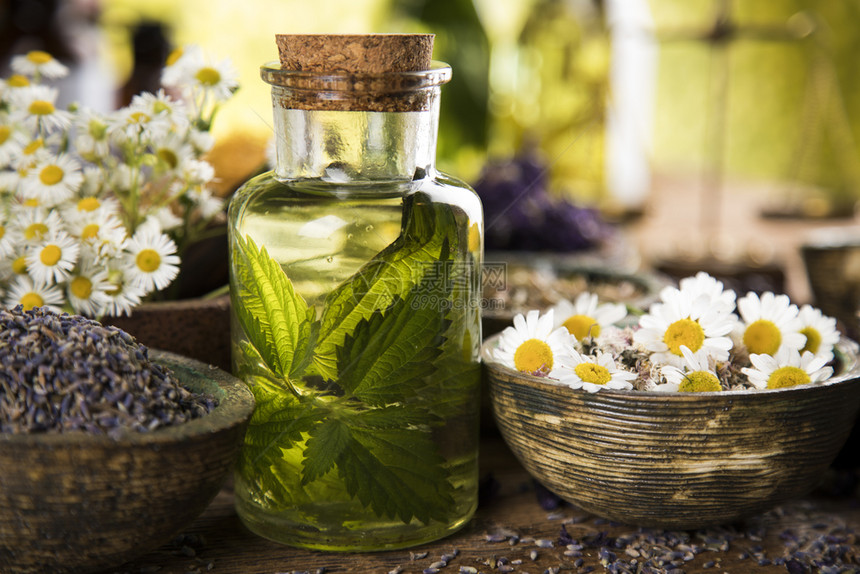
[{"x": 61, "y": 372}]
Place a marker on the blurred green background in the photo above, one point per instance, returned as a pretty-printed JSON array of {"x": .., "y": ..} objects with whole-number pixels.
[{"x": 613, "y": 94}]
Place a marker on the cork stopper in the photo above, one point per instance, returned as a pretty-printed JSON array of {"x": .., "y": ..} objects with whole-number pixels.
[
  {"x": 362, "y": 72},
  {"x": 355, "y": 53}
]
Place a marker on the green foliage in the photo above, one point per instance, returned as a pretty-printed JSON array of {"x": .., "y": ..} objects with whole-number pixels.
[{"x": 375, "y": 347}]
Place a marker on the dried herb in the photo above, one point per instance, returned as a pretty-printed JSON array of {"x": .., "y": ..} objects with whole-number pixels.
[{"x": 64, "y": 372}]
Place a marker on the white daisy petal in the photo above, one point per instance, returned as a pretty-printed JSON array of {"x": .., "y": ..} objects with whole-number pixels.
[{"x": 531, "y": 346}]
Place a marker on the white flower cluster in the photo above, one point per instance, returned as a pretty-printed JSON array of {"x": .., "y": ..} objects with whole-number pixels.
[
  {"x": 699, "y": 337},
  {"x": 95, "y": 209}
]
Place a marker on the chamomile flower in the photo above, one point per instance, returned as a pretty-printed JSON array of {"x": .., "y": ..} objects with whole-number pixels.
[
  {"x": 788, "y": 368},
  {"x": 24, "y": 291},
  {"x": 8, "y": 239},
  {"x": 136, "y": 124},
  {"x": 208, "y": 204},
  {"x": 704, "y": 284},
  {"x": 153, "y": 262},
  {"x": 697, "y": 375},
  {"x": 161, "y": 105},
  {"x": 92, "y": 204},
  {"x": 34, "y": 224},
  {"x": 591, "y": 374},
  {"x": 12, "y": 143},
  {"x": 819, "y": 330},
  {"x": 91, "y": 135},
  {"x": 36, "y": 109},
  {"x": 121, "y": 296},
  {"x": 585, "y": 318},
  {"x": 52, "y": 180},
  {"x": 769, "y": 323},
  {"x": 172, "y": 152},
  {"x": 191, "y": 71},
  {"x": 197, "y": 172},
  {"x": 86, "y": 290},
  {"x": 531, "y": 345},
  {"x": 687, "y": 318},
  {"x": 164, "y": 218},
  {"x": 52, "y": 260},
  {"x": 95, "y": 227},
  {"x": 37, "y": 63}
]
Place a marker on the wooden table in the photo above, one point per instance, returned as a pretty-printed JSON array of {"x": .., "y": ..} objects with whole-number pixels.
[{"x": 512, "y": 532}]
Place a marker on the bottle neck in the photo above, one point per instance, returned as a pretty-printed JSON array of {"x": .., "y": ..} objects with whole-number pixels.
[{"x": 354, "y": 147}]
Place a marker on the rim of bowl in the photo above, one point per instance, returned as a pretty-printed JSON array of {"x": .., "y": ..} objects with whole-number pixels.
[
  {"x": 651, "y": 282},
  {"x": 846, "y": 348},
  {"x": 235, "y": 406}
]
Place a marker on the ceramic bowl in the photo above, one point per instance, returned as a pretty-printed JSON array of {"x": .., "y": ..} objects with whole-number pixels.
[
  {"x": 674, "y": 460},
  {"x": 78, "y": 502}
]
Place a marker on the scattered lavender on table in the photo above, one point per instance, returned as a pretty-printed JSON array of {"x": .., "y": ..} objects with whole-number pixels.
[{"x": 61, "y": 372}]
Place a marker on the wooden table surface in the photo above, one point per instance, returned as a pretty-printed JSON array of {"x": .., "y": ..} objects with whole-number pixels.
[{"x": 513, "y": 532}]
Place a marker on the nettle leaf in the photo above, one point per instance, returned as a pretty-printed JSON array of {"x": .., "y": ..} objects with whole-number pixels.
[
  {"x": 274, "y": 317},
  {"x": 280, "y": 421},
  {"x": 326, "y": 443},
  {"x": 397, "y": 416},
  {"x": 395, "y": 473},
  {"x": 456, "y": 367},
  {"x": 427, "y": 227},
  {"x": 387, "y": 357}
]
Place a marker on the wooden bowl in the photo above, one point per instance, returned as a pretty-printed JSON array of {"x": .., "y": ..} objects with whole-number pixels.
[
  {"x": 78, "y": 502},
  {"x": 674, "y": 460},
  {"x": 546, "y": 278}
]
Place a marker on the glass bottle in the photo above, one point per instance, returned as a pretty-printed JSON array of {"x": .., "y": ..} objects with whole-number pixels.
[{"x": 355, "y": 282}]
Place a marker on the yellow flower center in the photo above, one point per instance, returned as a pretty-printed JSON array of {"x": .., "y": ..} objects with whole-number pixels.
[
  {"x": 138, "y": 118},
  {"x": 19, "y": 266},
  {"x": 41, "y": 108},
  {"x": 90, "y": 231},
  {"x": 51, "y": 175},
  {"x": 582, "y": 326},
  {"x": 18, "y": 81},
  {"x": 169, "y": 157},
  {"x": 2, "y": 231},
  {"x": 31, "y": 300},
  {"x": 33, "y": 146},
  {"x": 591, "y": 373},
  {"x": 35, "y": 230},
  {"x": 532, "y": 356},
  {"x": 174, "y": 56},
  {"x": 50, "y": 255},
  {"x": 813, "y": 340},
  {"x": 117, "y": 289},
  {"x": 89, "y": 204},
  {"x": 159, "y": 106},
  {"x": 32, "y": 202},
  {"x": 684, "y": 332},
  {"x": 39, "y": 57},
  {"x": 785, "y": 377},
  {"x": 762, "y": 337},
  {"x": 700, "y": 382},
  {"x": 5, "y": 133},
  {"x": 208, "y": 76},
  {"x": 81, "y": 287},
  {"x": 148, "y": 260}
]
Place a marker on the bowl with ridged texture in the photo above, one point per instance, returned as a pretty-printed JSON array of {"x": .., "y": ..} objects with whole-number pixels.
[
  {"x": 78, "y": 502},
  {"x": 675, "y": 460}
]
